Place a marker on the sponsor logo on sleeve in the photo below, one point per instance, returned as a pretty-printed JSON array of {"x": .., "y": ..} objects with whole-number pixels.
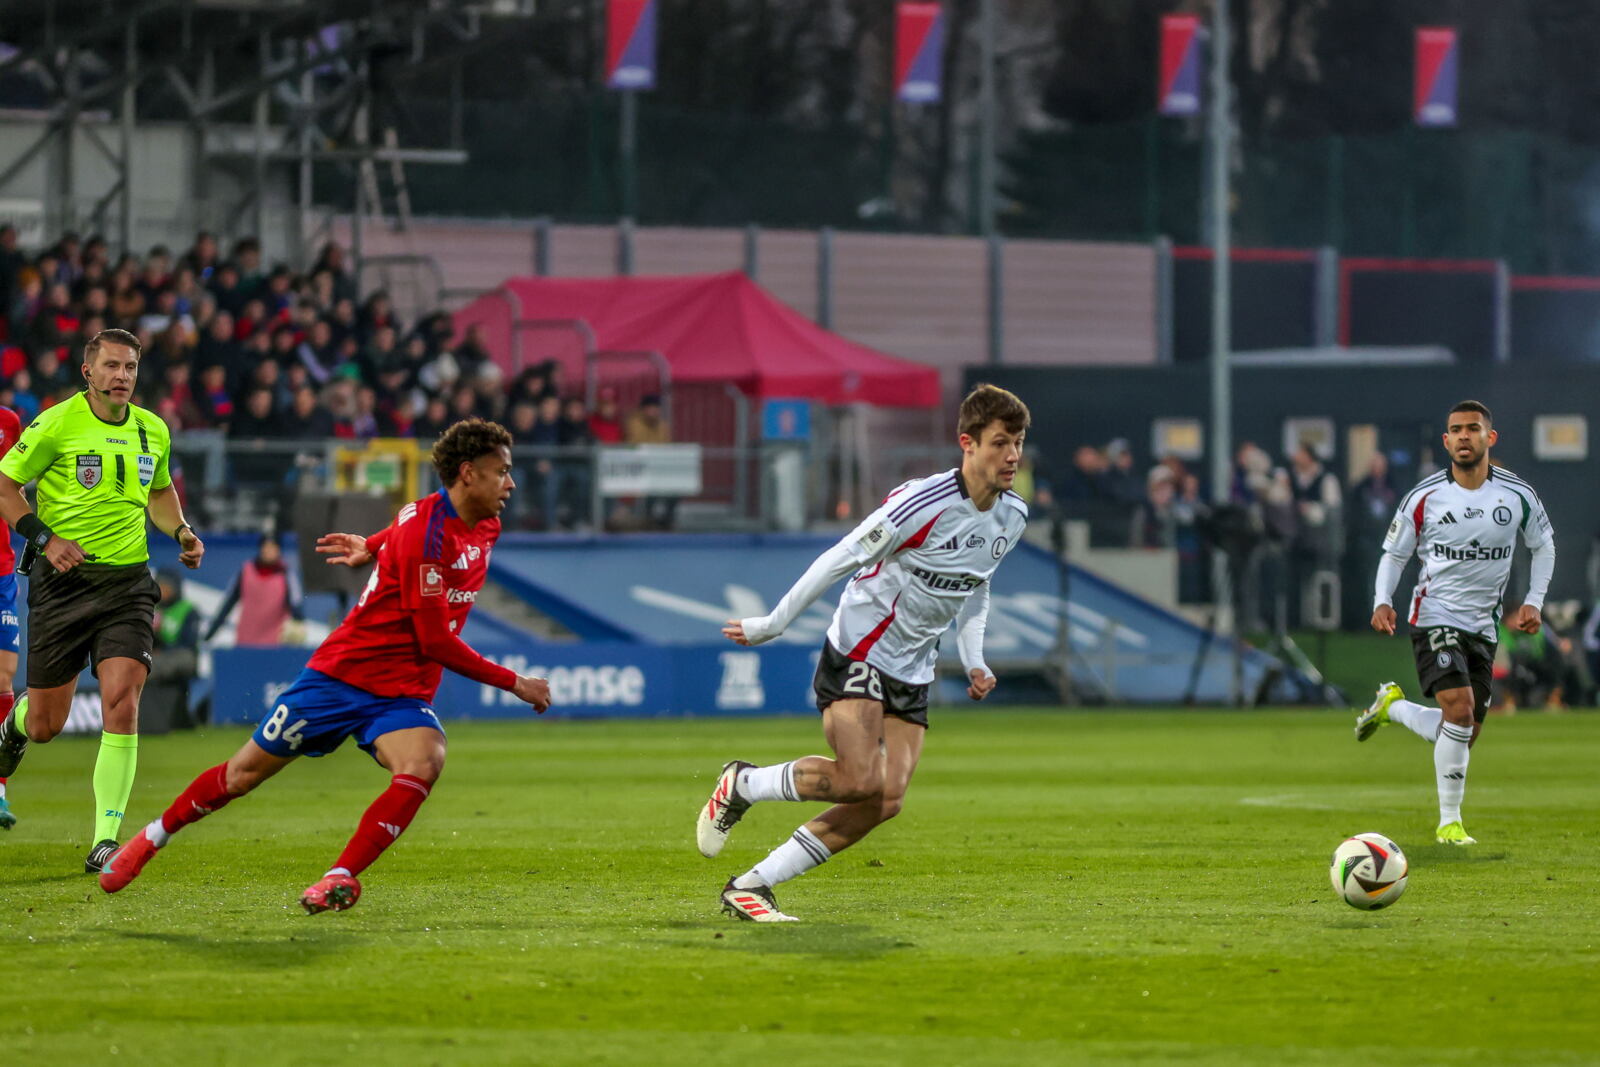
[
  {"x": 874, "y": 537},
  {"x": 432, "y": 578}
]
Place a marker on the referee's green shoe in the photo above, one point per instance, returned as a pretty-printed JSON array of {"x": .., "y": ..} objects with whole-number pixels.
[{"x": 13, "y": 742}]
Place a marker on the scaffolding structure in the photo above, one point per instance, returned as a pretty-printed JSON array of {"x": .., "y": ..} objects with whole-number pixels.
[{"x": 266, "y": 90}]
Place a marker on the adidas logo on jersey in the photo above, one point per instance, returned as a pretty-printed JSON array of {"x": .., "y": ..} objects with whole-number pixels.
[
  {"x": 1447, "y": 520},
  {"x": 948, "y": 546},
  {"x": 461, "y": 563}
]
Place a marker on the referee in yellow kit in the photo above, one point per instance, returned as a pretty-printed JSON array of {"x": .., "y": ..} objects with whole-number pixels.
[{"x": 100, "y": 463}]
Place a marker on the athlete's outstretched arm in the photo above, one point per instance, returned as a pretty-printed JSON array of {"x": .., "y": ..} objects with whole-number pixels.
[
  {"x": 970, "y": 627},
  {"x": 828, "y": 568},
  {"x": 438, "y": 643},
  {"x": 1528, "y": 618},
  {"x": 1398, "y": 545}
]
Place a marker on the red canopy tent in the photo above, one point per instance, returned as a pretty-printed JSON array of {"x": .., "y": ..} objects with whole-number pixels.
[{"x": 710, "y": 328}]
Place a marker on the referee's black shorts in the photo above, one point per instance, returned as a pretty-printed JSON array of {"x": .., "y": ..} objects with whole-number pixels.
[{"x": 94, "y": 612}]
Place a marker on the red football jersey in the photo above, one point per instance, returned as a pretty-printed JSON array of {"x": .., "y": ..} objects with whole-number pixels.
[
  {"x": 405, "y": 627},
  {"x": 10, "y": 430}
]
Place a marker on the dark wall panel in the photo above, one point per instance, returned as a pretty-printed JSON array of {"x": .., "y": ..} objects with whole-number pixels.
[
  {"x": 1272, "y": 307},
  {"x": 1398, "y": 307}
]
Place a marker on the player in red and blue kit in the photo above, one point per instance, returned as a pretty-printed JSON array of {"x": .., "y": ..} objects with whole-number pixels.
[
  {"x": 10, "y": 634},
  {"x": 375, "y": 676}
]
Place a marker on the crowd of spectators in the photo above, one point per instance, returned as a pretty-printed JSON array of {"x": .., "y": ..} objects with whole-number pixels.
[{"x": 260, "y": 352}]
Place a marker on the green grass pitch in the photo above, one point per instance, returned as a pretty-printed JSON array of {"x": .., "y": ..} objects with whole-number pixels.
[{"x": 1063, "y": 887}]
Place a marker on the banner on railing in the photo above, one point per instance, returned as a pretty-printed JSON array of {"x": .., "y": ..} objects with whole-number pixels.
[
  {"x": 648, "y": 470},
  {"x": 1181, "y": 65},
  {"x": 1434, "y": 102},
  {"x": 587, "y": 680},
  {"x": 918, "y": 51}
]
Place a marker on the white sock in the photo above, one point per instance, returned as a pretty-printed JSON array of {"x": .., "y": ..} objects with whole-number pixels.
[
  {"x": 1450, "y": 754},
  {"x": 1418, "y": 718},
  {"x": 339, "y": 870},
  {"x": 2, "y": 790},
  {"x": 767, "y": 783},
  {"x": 157, "y": 833},
  {"x": 789, "y": 860}
]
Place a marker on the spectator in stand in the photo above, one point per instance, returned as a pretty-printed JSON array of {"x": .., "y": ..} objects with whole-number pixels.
[
  {"x": 605, "y": 424},
  {"x": 340, "y": 399},
  {"x": 440, "y": 375},
  {"x": 252, "y": 319},
  {"x": 213, "y": 399},
  {"x": 472, "y": 352},
  {"x": 224, "y": 285},
  {"x": 268, "y": 375},
  {"x": 573, "y": 504},
  {"x": 52, "y": 376},
  {"x": 267, "y": 595},
  {"x": 330, "y": 261},
  {"x": 434, "y": 420},
  {"x": 202, "y": 256},
  {"x": 256, "y": 421},
  {"x": 1368, "y": 508},
  {"x": 1154, "y": 523},
  {"x": 315, "y": 352},
  {"x": 1319, "y": 526},
  {"x": 376, "y": 313},
  {"x": 17, "y": 393},
  {"x": 647, "y": 426},
  {"x": 343, "y": 322},
  {"x": 278, "y": 293},
  {"x": 247, "y": 256},
  {"x": 218, "y": 347},
  {"x": 26, "y": 300},
  {"x": 529, "y": 386},
  {"x": 69, "y": 261},
  {"x": 177, "y": 404},
  {"x": 54, "y": 324},
  {"x": 368, "y": 420},
  {"x": 307, "y": 419},
  {"x": 546, "y": 435},
  {"x": 1121, "y": 480},
  {"x": 187, "y": 291},
  {"x": 12, "y": 260},
  {"x": 464, "y": 404},
  {"x": 154, "y": 280},
  {"x": 1086, "y": 481},
  {"x": 491, "y": 397}
]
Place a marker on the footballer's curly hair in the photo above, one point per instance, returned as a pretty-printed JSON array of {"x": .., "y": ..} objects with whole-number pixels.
[
  {"x": 989, "y": 402},
  {"x": 464, "y": 443}
]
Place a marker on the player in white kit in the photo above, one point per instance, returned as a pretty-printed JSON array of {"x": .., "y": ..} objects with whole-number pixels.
[
  {"x": 1463, "y": 524},
  {"x": 922, "y": 560}
]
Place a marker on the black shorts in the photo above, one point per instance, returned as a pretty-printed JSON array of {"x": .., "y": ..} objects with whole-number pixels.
[
  {"x": 94, "y": 612},
  {"x": 1448, "y": 658},
  {"x": 839, "y": 677}
]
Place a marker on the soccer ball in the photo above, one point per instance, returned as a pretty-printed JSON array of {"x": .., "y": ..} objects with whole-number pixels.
[{"x": 1369, "y": 871}]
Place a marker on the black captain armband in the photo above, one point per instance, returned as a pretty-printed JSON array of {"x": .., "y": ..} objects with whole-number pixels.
[{"x": 34, "y": 531}]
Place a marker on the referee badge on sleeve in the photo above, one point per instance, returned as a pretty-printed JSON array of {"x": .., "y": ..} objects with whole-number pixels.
[
  {"x": 89, "y": 471},
  {"x": 147, "y": 470}
]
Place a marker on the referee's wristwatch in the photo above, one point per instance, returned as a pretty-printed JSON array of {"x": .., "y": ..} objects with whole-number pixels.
[{"x": 181, "y": 526}]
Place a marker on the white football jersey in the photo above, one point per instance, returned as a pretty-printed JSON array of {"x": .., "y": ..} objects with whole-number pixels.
[
  {"x": 923, "y": 552},
  {"x": 1464, "y": 539}
]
